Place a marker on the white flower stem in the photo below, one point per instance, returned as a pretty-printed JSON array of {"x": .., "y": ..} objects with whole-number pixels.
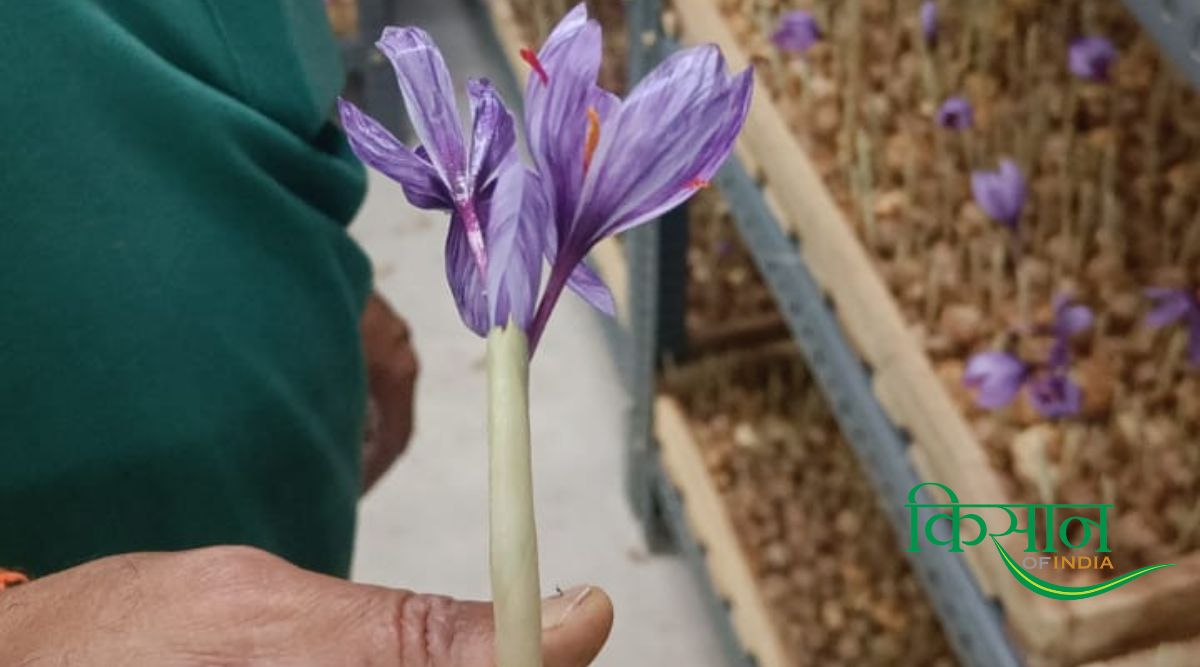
[{"x": 516, "y": 590}]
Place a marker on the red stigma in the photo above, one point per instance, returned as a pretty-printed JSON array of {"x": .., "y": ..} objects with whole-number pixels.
[
  {"x": 531, "y": 58},
  {"x": 698, "y": 184}
]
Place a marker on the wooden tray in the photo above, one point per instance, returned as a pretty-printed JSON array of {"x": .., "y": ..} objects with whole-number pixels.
[
  {"x": 711, "y": 526},
  {"x": 1156, "y": 609}
]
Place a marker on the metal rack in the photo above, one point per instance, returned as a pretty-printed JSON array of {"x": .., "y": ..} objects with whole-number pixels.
[
  {"x": 972, "y": 622},
  {"x": 1175, "y": 25}
]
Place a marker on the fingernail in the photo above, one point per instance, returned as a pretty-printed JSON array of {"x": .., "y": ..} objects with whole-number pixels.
[{"x": 558, "y": 608}]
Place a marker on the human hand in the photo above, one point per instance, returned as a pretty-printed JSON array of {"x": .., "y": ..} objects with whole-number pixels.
[
  {"x": 244, "y": 607},
  {"x": 392, "y": 375}
]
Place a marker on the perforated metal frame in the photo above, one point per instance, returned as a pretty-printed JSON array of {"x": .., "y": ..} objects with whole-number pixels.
[{"x": 1175, "y": 25}]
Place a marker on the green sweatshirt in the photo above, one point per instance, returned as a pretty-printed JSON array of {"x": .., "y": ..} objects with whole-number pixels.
[{"x": 179, "y": 354}]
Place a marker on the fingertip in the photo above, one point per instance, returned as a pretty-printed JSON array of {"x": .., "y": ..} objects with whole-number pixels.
[{"x": 575, "y": 626}]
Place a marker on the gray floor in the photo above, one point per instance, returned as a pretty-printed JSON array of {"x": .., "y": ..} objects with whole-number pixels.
[{"x": 424, "y": 527}]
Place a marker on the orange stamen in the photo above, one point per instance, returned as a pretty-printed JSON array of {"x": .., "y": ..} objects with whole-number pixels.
[
  {"x": 593, "y": 137},
  {"x": 530, "y": 57},
  {"x": 698, "y": 184},
  {"x": 9, "y": 578}
]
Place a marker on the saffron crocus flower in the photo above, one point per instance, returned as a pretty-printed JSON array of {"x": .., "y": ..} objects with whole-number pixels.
[
  {"x": 1054, "y": 395},
  {"x": 797, "y": 31},
  {"x": 998, "y": 377},
  {"x": 1090, "y": 58},
  {"x": 1000, "y": 193},
  {"x": 1051, "y": 391},
  {"x": 929, "y": 21},
  {"x": 606, "y": 164},
  {"x": 1177, "y": 305},
  {"x": 1070, "y": 320},
  {"x": 956, "y": 113},
  {"x": 446, "y": 172}
]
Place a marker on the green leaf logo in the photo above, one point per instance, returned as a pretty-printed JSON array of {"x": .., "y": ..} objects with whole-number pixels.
[{"x": 1047, "y": 589}]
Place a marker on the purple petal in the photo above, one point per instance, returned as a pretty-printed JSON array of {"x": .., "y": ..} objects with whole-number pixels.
[
  {"x": 929, "y": 21},
  {"x": 1000, "y": 194},
  {"x": 1054, "y": 395},
  {"x": 514, "y": 250},
  {"x": 493, "y": 136},
  {"x": 996, "y": 378},
  {"x": 374, "y": 145},
  {"x": 956, "y": 113},
  {"x": 462, "y": 273},
  {"x": 556, "y": 112},
  {"x": 1090, "y": 58},
  {"x": 1070, "y": 318},
  {"x": 1171, "y": 305},
  {"x": 523, "y": 289},
  {"x": 582, "y": 280},
  {"x": 565, "y": 30},
  {"x": 429, "y": 97},
  {"x": 798, "y": 31},
  {"x": 668, "y": 140},
  {"x": 591, "y": 288}
]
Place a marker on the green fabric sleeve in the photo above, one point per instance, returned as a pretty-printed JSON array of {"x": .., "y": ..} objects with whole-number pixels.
[{"x": 180, "y": 362}]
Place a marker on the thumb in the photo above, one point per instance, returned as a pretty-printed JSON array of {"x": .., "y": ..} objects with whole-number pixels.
[
  {"x": 575, "y": 625},
  {"x": 435, "y": 631}
]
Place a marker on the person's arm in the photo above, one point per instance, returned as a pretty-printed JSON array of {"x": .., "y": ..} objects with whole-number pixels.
[
  {"x": 234, "y": 605},
  {"x": 391, "y": 374}
]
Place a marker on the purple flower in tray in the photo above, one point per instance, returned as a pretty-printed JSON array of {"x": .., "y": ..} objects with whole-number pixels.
[
  {"x": 603, "y": 165},
  {"x": 1051, "y": 391},
  {"x": 929, "y": 21},
  {"x": 1054, "y": 395},
  {"x": 1070, "y": 320},
  {"x": 1091, "y": 58},
  {"x": 1001, "y": 193},
  {"x": 998, "y": 377},
  {"x": 1177, "y": 305},
  {"x": 956, "y": 113},
  {"x": 798, "y": 31}
]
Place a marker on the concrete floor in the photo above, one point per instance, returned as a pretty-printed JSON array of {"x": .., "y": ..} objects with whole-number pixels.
[{"x": 424, "y": 527}]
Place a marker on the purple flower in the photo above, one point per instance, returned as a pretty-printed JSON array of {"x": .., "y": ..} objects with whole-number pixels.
[
  {"x": 1054, "y": 395},
  {"x": 607, "y": 164},
  {"x": 1001, "y": 193},
  {"x": 956, "y": 113},
  {"x": 1070, "y": 319},
  {"x": 798, "y": 31},
  {"x": 1177, "y": 305},
  {"x": 603, "y": 165},
  {"x": 1051, "y": 391},
  {"x": 996, "y": 377},
  {"x": 929, "y": 21},
  {"x": 1090, "y": 58},
  {"x": 479, "y": 182}
]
